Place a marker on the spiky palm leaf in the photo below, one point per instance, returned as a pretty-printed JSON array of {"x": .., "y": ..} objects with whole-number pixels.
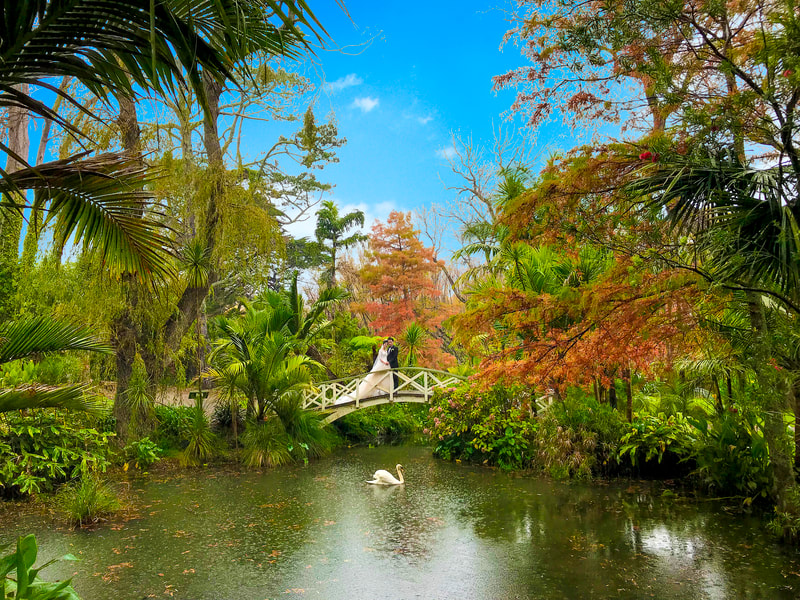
[
  {"x": 413, "y": 338},
  {"x": 72, "y": 397},
  {"x": 747, "y": 220},
  {"x": 195, "y": 261},
  {"x": 100, "y": 200},
  {"x": 43, "y": 334},
  {"x": 110, "y": 45}
]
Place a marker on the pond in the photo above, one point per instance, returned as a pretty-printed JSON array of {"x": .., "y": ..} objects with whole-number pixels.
[{"x": 452, "y": 531}]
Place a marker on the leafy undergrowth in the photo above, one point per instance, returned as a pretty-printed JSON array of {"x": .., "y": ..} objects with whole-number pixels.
[{"x": 382, "y": 423}]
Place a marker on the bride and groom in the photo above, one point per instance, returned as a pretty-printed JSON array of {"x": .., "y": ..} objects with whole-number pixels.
[{"x": 380, "y": 379}]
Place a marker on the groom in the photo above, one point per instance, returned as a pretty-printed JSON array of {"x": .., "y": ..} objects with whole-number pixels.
[{"x": 391, "y": 356}]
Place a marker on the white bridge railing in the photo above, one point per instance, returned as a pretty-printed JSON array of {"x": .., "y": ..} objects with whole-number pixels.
[{"x": 414, "y": 384}]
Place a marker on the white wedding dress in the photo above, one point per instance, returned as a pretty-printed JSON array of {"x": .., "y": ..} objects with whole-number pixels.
[{"x": 378, "y": 381}]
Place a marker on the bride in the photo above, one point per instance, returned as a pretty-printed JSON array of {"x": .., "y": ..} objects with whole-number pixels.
[{"x": 378, "y": 381}]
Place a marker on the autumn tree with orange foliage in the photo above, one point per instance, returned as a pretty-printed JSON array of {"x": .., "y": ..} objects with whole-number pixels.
[
  {"x": 700, "y": 213},
  {"x": 400, "y": 273}
]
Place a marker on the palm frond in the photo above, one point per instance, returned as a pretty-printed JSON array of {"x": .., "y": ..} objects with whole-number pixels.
[
  {"x": 42, "y": 334},
  {"x": 747, "y": 220},
  {"x": 110, "y": 45},
  {"x": 100, "y": 200},
  {"x": 72, "y": 397}
]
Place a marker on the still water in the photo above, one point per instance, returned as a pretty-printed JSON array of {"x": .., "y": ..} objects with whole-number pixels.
[{"x": 451, "y": 532}]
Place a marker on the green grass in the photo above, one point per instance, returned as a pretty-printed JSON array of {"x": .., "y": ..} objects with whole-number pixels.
[{"x": 87, "y": 501}]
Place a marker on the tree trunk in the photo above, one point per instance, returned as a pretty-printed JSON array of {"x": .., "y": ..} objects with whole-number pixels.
[
  {"x": 777, "y": 402},
  {"x": 626, "y": 377},
  {"x": 718, "y": 392},
  {"x": 125, "y": 332},
  {"x": 127, "y": 336},
  {"x": 11, "y": 221},
  {"x": 612, "y": 395}
]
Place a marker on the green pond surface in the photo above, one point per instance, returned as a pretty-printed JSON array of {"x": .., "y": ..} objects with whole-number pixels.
[{"x": 452, "y": 531}]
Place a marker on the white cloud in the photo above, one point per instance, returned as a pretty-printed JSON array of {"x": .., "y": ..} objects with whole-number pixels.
[
  {"x": 424, "y": 120},
  {"x": 343, "y": 82},
  {"x": 448, "y": 153},
  {"x": 365, "y": 104},
  {"x": 303, "y": 229}
]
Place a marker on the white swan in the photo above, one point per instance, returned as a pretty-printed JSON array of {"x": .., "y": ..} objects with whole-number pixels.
[{"x": 383, "y": 477}]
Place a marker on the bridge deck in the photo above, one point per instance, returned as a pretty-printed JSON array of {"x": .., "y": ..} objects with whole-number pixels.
[{"x": 414, "y": 385}]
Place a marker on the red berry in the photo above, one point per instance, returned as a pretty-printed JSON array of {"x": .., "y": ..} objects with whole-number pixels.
[
  {"x": 655, "y": 158},
  {"x": 788, "y": 73},
  {"x": 647, "y": 155}
]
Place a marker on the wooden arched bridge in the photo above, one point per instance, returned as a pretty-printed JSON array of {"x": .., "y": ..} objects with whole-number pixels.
[{"x": 414, "y": 385}]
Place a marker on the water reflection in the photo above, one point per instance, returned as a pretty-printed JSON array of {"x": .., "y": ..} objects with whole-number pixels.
[{"x": 451, "y": 532}]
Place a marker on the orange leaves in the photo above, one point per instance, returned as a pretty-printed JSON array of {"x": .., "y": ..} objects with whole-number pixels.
[
  {"x": 624, "y": 318},
  {"x": 400, "y": 277}
]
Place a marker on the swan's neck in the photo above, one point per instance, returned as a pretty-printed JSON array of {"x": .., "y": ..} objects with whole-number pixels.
[{"x": 400, "y": 475}]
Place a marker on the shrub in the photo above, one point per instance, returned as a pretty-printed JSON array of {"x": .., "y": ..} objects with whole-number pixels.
[
  {"x": 141, "y": 453},
  {"x": 309, "y": 436},
  {"x": 222, "y": 418},
  {"x": 28, "y": 584},
  {"x": 46, "y": 448},
  {"x": 564, "y": 451},
  {"x": 202, "y": 443},
  {"x": 265, "y": 444},
  {"x": 592, "y": 427},
  {"x": 174, "y": 423},
  {"x": 651, "y": 439},
  {"x": 87, "y": 501},
  {"x": 491, "y": 426},
  {"x": 731, "y": 455}
]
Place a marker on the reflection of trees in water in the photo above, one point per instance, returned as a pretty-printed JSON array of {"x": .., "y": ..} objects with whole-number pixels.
[
  {"x": 628, "y": 539},
  {"x": 398, "y": 527}
]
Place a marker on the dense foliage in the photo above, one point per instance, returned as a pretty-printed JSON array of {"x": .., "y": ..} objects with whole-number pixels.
[{"x": 40, "y": 451}]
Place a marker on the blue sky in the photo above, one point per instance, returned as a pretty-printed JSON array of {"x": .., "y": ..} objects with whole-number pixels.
[{"x": 400, "y": 79}]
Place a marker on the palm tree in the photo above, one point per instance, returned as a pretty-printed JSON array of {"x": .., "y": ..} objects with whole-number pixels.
[
  {"x": 258, "y": 357},
  {"x": 304, "y": 324},
  {"x": 330, "y": 234},
  {"x": 262, "y": 356},
  {"x": 413, "y": 337},
  {"x": 745, "y": 225}
]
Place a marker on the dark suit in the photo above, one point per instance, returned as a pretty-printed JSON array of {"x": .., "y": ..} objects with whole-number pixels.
[{"x": 391, "y": 356}]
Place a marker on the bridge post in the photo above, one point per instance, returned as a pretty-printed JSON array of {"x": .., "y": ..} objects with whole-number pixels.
[{"x": 427, "y": 388}]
